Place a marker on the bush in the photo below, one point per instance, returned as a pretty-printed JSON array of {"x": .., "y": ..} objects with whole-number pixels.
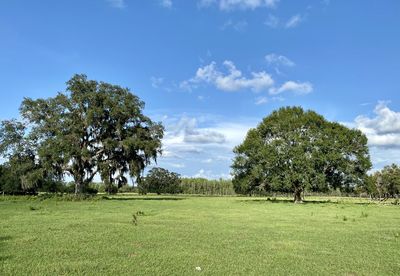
[
  {"x": 127, "y": 189},
  {"x": 160, "y": 180}
]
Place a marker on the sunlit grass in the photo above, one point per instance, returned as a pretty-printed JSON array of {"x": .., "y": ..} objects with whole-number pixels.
[{"x": 178, "y": 235}]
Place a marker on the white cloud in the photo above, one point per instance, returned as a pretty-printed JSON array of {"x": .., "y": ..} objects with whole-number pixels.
[
  {"x": 189, "y": 135},
  {"x": 156, "y": 82},
  {"x": 275, "y": 59},
  {"x": 261, "y": 100},
  {"x": 212, "y": 156},
  {"x": 383, "y": 133},
  {"x": 228, "y": 5},
  {"x": 233, "y": 80},
  {"x": 383, "y": 130},
  {"x": 120, "y": 4},
  {"x": 272, "y": 21},
  {"x": 186, "y": 130},
  {"x": 207, "y": 161},
  {"x": 300, "y": 88},
  {"x": 294, "y": 21},
  {"x": 239, "y": 26},
  {"x": 166, "y": 3},
  {"x": 202, "y": 173},
  {"x": 386, "y": 120}
]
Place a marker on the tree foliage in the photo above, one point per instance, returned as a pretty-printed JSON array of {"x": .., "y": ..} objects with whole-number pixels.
[
  {"x": 292, "y": 150},
  {"x": 161, "y": 181},
  {"x": 91, "y": 128},
  {"x": 385, "y": 183},
  {"x": 203, "y": 186},
  {"x": 23, "y": 171}
]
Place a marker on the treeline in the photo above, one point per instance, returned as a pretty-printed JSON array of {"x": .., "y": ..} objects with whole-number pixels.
[
  {"x": 203, "y": 186},
  {"x": 382, "y": 184},
  {"x": 158, "y": 180}
]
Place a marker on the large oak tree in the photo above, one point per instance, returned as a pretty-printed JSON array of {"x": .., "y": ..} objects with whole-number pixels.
[
  {"x": 92, "y": 128},
  {"x": 293, "y": 149}
]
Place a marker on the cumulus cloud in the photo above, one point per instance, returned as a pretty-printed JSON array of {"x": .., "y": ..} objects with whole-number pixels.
[
  {"x": 382, "y": 130},
  {"x": 294, "y": 21},
  {"x": 300, "y": 88},
  {"x": 386, "y": 120},
  {"x": 232, "y": 80},
  {"x": 187, "y": 131},
  {"x": 228, "y": 5},
  {"x": 120, "y": 4},
  {"x": 274, "y": 59},
  {"x": 213, "y": 155}
]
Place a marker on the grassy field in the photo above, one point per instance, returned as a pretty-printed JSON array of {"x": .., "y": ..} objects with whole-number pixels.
[{"x": 219, "y": 235}]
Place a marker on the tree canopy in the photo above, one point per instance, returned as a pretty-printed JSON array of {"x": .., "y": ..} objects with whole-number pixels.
[
  {"x": 91, "y": 128},
  {"x": 384, "y": 183},
  {"x": 160, "y": 180},
  {"x": 293, "y": 149}
]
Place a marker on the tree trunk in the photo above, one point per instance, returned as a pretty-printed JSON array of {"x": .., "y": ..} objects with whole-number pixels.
[
  {"x": 297, "y": 196},
  {"x": 78, "y": 187}
]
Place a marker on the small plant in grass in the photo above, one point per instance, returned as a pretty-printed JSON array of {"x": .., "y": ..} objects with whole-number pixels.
[
  {"x": 344, "y": 218},
  {"x": 135, "y": 217},
  {"x": 364, "y": 215}
]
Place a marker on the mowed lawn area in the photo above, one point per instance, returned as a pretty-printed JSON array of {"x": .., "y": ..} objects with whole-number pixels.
[{"x": 178, "y": 235}]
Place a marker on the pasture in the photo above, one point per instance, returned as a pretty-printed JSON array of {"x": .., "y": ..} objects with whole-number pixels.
[{"x": 182, "y": 235}]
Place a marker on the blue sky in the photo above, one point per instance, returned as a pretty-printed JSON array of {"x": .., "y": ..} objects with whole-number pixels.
[{"x": 212, "y": 69}]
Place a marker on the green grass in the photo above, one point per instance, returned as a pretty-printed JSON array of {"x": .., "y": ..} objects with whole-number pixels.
[{"x": 221, "y": 235}]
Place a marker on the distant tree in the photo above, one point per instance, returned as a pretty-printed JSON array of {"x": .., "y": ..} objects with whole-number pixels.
[
  {"x": 23, "y": 172},
  {"x": 391, "y": 180},
  {"x": 293, "y": 149},
  {"x": 161, "y": 181},
  {"x": 93, "y": 127},
  {"x": 384, "y": 183}
]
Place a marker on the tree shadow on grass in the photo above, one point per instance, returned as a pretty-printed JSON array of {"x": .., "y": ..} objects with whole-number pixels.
[
  {"x": 3, "y": 239},
  {"x": 290, "y": 201},
  {"x": 144, "y": 198}
]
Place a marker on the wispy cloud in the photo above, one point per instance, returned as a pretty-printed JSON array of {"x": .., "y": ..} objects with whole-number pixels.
[
  {"x": 238, "y": 26},
  {"x": 294, "y": 21},
  {"x": 156, "y": 82},
  {"x": 272, "y": 21},
  {"x": 119, "y": 4},
  {"x": 274, "y": 59},
  {"x": 300, "y": 88},
  {"x": 261, "y": 100},
  {"x": 228, "y": 5},
  {"x": 232, "y": 80}
]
